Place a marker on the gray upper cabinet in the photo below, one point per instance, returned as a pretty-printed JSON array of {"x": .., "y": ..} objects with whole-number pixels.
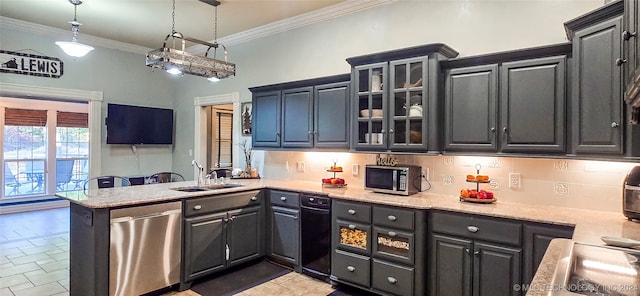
[
  {"x": 396, "y": 105},
  {"x": 297, "y": 118},
  {"x": 470, "y": 108},
  {"x": 597, "y": 108},
  {"x": 266, "y": 119},
  {"x": 532, "y": 105},
  {"x": 512, "y": 102},
  {"x": 331, "y": 117},
  {"x": 302, "y": 114}
]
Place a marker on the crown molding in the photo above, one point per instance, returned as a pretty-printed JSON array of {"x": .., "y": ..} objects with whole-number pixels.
[
  {"x": 28, "y": 27},
  {"x": 309, "y": 18}
]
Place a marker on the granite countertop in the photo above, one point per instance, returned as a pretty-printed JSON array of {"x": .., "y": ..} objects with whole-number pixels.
[{"x": 589, "y": 225}]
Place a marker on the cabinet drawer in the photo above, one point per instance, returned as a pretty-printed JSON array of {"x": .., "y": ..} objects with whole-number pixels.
[
  {"x": 489, "y": 229},
  {"x": 394, "y": 245},
  {"x": 393, "y": 217},
  {"x": 354, "y": 237},
  {"x": 210, "y": 204},
  {"x": 391, "y": 278},
  {"x": 350, "y": 267},
  {"x": 285, "y": 199},
  {"x": 352, "y": 211}
]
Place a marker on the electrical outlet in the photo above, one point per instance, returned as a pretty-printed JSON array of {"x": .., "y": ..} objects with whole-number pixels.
[
  {"x": 286, "y": 165},
  {"x": 300, "y": 165},
  {"x": 514, "y": 180},
  {"x": 354, "y": 169}
]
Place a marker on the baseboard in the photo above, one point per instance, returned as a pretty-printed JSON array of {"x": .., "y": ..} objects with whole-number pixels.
[{"x": 35, "y": 206}]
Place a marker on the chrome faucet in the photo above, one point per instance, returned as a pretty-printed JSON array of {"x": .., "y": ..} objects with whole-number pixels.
[
  {"x": 200, "y": 172},
  {"x": 212, "y": 176}
]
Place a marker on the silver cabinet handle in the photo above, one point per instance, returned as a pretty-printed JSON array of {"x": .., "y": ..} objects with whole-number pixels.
[
  {"x": 473, "y": 229},
  {"x": 391, "y": 131},
  {"x": 493, "y": 129},
  {"x": 614, "y": 124},
  {"x": 382, "y": 131},
  {"x": 254, "y": 198},
  {"x": 392, "y": 218},
  {"x": 476, "y": 253},
  {"x": 311, "y": 199},
  {"x": 351, "y": 268},
  {"x": 504, "y": 129},
  {"x": 310, "y": 132},
  {"x": 351, "y": 226},
  {"x": 351, "y": 212},
  {"x": 197, "y": 207},
  {"x": 391, "y": 233},
  {"x": 466, "y": 250},
  {"x": 391, "y": 280},
  {"x": 282, "y": 198},
  {"x": 620, "y": 61},
  {"x": 226, "y": 252}
]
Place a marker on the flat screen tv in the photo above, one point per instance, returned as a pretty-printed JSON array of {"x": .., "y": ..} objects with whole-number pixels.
[{"x": 134, "y": 125}]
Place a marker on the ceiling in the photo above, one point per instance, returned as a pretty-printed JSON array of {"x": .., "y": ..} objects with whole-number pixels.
[{"x": 147, "y": 22}]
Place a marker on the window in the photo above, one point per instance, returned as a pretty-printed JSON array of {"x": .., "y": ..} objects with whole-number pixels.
[
  {"x": 221, "y": 148},
  {"x": 45, "y": 148}
]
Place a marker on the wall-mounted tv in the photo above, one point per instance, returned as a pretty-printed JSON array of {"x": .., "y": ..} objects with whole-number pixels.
[{"x": 134, "y": 125}]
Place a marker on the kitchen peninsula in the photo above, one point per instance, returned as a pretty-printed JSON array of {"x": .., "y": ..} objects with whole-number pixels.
[{"x": 90, "y": 219}]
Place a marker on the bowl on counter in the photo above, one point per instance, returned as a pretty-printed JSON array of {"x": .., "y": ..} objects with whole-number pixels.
[
  {"x": 371, "y": 113},
  {"x": 415, "y": 111}
]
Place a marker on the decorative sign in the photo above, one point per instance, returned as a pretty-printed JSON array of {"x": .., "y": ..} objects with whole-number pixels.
[
  {"x": 30, "y": 64},
  {"x": 246, "y": 119},
  {"x": 386, "y": 161}
]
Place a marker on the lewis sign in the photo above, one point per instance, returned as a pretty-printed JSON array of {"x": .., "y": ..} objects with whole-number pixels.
[{"x": 30, "y": 64}]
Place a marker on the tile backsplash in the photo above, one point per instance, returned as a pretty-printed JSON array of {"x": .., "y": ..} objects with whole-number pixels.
[{"x": 584, "y": 184}]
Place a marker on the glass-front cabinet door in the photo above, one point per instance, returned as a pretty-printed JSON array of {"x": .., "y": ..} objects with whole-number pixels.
[
  {"x": 408, "y": 104},
  {"x": 371, "y": 105}
]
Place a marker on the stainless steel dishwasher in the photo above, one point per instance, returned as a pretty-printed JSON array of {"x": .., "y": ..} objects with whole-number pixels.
[{"x": 144, "y": 253}]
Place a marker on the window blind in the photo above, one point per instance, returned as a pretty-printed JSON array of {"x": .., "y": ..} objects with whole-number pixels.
[
  {"x": 25, "y": 117},
  {"x": 73, "y": 119},
  {"x": 224, "y": 139}
]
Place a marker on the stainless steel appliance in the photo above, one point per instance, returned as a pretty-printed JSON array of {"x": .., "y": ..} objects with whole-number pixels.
[
  {"x": 631, "y": 194},
  {"x": 400, "y": 179},
  {"x": 316, "y": 236},
  {"x": 144, "y": 253}
]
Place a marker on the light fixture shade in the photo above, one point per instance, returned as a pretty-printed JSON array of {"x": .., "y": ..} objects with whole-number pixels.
[{"x": 74, "y": 48}]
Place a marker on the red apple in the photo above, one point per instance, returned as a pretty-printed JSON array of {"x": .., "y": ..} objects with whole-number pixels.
[
  {"x": 482, "y": 195},
  {"x": 340, "y": 181}
]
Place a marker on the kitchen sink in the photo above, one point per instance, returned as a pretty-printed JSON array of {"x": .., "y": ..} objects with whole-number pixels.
[
  {"x": 597, "y": 270},
  {"x": 205, "y": 187}
]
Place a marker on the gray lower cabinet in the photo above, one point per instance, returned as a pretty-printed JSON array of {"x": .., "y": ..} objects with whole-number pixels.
[
  {"x": 473, "y": 255},
  {"x": 379, "y": 248},
  {"x": 516, "y": 104},
  {"x": 537, "y": 238},
  {"x": 219, "y": 232},
  {"x": 597, "y": 104},
  {"x": 284, "y": 227},
  {"x": 477, "y": 255}
]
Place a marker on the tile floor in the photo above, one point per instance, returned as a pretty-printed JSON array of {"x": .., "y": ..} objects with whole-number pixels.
[{"x": 34, "y": 260}]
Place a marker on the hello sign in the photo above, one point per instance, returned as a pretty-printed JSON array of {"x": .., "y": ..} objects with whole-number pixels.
[{"x": 30, "y": 64}]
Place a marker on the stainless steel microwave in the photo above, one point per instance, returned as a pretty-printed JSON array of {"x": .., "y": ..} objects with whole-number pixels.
[{"x": 400, "y": 179}]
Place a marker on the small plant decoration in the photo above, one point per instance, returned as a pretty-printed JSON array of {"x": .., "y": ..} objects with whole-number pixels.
[{"x": 248, "y": 157}]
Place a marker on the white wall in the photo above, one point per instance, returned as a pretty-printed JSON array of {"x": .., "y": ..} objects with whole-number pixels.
[
  {"x": 469, "y": 26},
  {"x": 121, "y": 76}
]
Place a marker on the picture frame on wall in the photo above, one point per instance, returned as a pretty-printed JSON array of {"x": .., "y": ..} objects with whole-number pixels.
[{"x": 245, "y": 118}]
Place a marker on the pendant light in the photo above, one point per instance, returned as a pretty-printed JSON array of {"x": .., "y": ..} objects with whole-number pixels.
[
  {"x": 175, "y": 60},
  {"x": 74, "y": 48}
]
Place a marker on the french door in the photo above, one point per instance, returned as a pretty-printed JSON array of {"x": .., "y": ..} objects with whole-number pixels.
[{"x": 45, "y": 148}]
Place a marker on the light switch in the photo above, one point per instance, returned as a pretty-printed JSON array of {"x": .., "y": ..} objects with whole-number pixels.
[
  {"x": 355, "y": 168},
  {"x": 300, "y": 165}
]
